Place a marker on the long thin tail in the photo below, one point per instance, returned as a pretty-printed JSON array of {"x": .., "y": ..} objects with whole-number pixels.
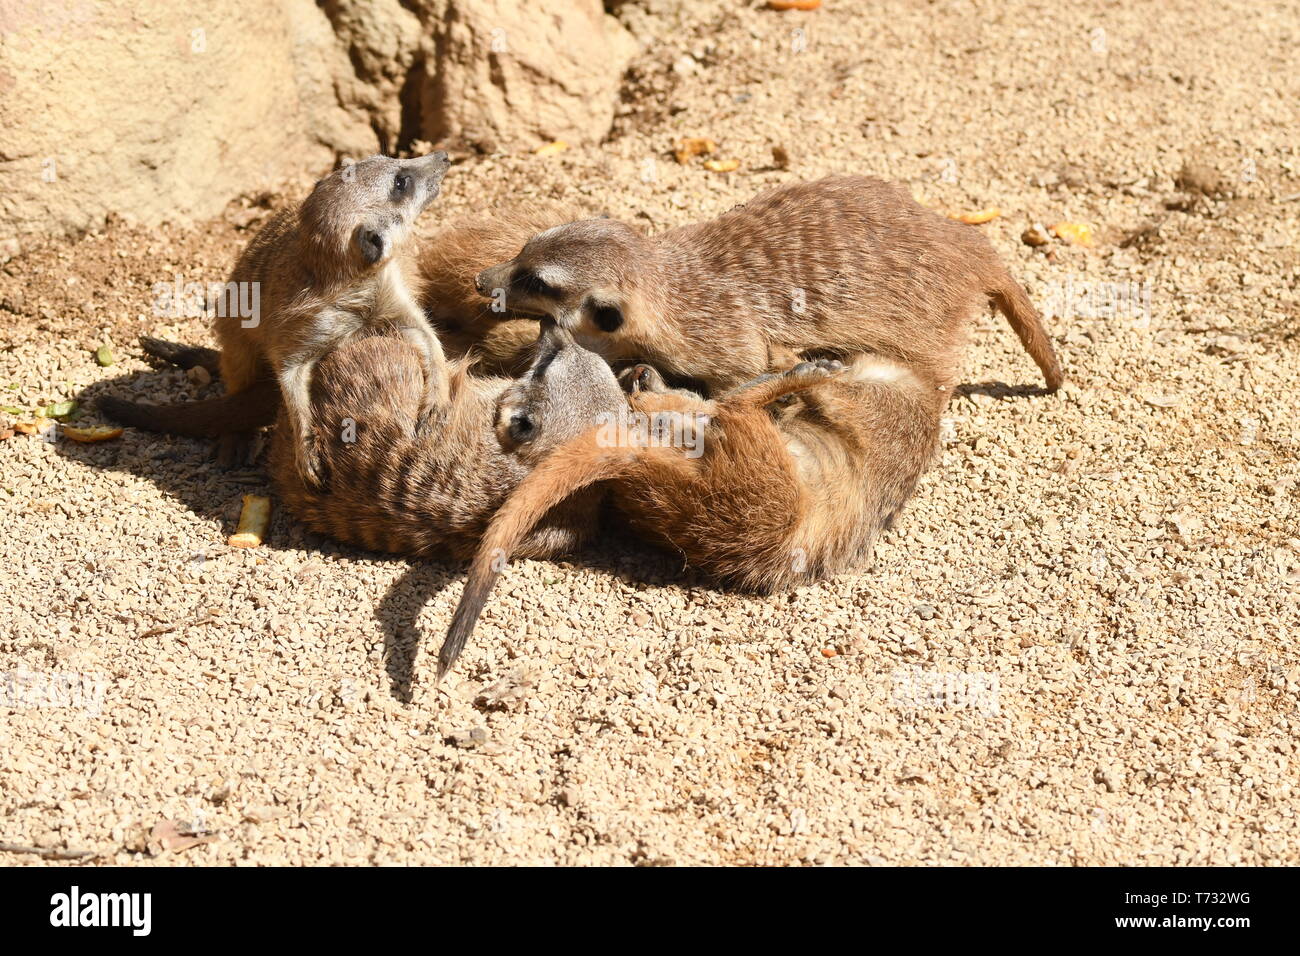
[
  {"x": 571, "y": 467},
  {"x": 254, "y": 407},
  {"x": 184, "y": 356},
  {"x": 1011, "y": 301}
]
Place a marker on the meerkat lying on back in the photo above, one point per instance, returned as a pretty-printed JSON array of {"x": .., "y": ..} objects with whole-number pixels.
[
  {"x": 838, "y": 266},
  {"x": 757, "y": 500},
  {"x": 334, "y": 266},
  {"x": 432, "y": 492}
]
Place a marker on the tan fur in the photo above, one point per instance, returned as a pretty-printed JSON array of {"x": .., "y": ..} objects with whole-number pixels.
[
  {"x": 449, "y": 261},
  {"x": 835, "y": 267},
  {"x": 332, "y": 267},
  {"x": 446, "y": 262},
  {"x": 776, "y": 498},
  {"x": 434, "y": 492}
]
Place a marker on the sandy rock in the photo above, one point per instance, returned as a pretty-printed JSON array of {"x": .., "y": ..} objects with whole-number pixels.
[
  {"x": 512, "y": 74},
  {"x": 147, "y": 110}
]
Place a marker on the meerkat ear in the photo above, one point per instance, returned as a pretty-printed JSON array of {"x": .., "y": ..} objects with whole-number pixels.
[
  {"x": 371, "y": 244},
  {"x": 607, "y": 316}
]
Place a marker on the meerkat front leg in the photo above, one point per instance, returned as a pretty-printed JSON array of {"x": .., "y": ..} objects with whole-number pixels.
[
  {"x": 437, "y": 388},
  {"x": 775, "y": 385},
  {"x": 295, "y": 389}
]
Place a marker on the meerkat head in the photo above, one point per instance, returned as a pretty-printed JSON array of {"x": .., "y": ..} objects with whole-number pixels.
[
  {"x": 586, "y": 275},
  {"x": 358, "y": 216},
  {"x": 565, "y": 391}
]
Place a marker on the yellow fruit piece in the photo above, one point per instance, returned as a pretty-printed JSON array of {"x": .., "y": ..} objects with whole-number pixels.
[
  {"x": 254, "y": 519},
  {"x": 550, "y": 149},
  {"x": 693, "y": 146},
  {"x": 1075, "y": 233},
  {"x": 91, "y": 433},
  {"x": 975, "y": 218},
  {"x": 722, "y": 165},
  {"x": 794, "y": 4}
]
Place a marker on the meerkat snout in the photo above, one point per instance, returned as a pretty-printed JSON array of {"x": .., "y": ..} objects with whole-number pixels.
[{"x": 581, "y": 274}]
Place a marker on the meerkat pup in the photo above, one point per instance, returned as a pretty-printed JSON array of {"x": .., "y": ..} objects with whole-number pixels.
[
  {"x": 838, "y": 266},
  {"x": 755, "y": 492},
  {"x": 334, "y": 266}
]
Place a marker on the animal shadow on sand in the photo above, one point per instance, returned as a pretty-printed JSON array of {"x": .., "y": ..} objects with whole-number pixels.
[{"x": 184, "y": 469}]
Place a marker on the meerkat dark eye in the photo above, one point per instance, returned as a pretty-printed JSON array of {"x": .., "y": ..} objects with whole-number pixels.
[
  {"x": 401, "y": 184},
  {"x": 533, "y": 284},
  {"x": 522, "y": 428},
  {"x": 607, "y": 317}
]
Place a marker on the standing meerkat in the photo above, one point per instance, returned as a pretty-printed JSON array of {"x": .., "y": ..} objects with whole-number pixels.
[
  {"x": 838, "y": 266},
  {"x": 335, "y": 265},
  {"x": 755, "y": 500}
]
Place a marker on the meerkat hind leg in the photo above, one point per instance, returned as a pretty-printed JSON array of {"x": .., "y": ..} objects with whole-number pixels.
[
  {"x": 182, "y": 356},
  {"x": 771, "y": 386}
]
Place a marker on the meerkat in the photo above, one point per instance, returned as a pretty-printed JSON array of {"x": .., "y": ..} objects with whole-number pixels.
[
  {"x": 834, "y": 267},
  {"x": 324, "y": 271},
  {"x": 756, "y": 496},
  {"x": 468, "y": 326},
  {"x": 432, "y": 493}
]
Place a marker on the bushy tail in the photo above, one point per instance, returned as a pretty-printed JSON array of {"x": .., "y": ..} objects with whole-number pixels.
[
  {"x": 568, "y": 469},
  {"x": 254, "y": 407},
  {"x": 1011, "y": 300}
]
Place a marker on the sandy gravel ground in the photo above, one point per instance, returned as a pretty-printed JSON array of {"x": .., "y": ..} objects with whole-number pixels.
[{"x": 1078, "y": 647}]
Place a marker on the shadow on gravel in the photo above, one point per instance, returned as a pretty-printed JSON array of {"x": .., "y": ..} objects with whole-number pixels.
[
  {"x": 185, "y": 469},
  {"x": 1001, "y": 390},
  {"x": 182, "y": 468}
]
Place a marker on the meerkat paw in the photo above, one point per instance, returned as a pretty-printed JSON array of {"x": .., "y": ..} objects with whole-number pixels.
[
  {"x": 816, "y": 369},
  {"x": 311, "y": 467},
  {"x": 641, "y": 378},
  {"x": 182, "y": 356},
  {"x": 427, "y": 417}
]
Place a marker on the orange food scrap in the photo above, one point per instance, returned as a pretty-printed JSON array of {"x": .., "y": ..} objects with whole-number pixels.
[
  {"x": 693, "y": 146},
  {"x": 91, "y": 433},
  {"x": 254, "y": 519},
  {"x": 1075, "y": 233},
  {"x": 722, "y": 165},
  {"x": 794, "y": 4},
  {"x": 975, "y": 218},
  {"x": 830, "y": 652}
]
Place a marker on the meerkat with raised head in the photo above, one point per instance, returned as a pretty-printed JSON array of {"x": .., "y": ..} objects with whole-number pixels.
[
  {"x": 755, "y": 495},
  {"x": 336, "y": 265},
  {"x": 834, "y": 267},
  {"x": 468, "y": 326}
]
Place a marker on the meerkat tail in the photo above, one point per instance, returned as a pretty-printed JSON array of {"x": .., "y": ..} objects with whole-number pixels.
[
  {"x": 566, "y": 470},
  {"x": 1011, "y": 300},
  {"x": 182, "y": 356},
  {"x": 254, "y": 407}
]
